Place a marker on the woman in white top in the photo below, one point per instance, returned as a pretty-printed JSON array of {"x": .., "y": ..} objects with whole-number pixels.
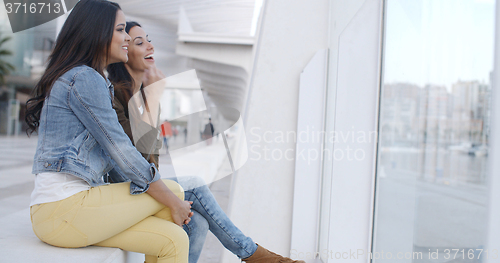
[{"x": 80, "y": 140}]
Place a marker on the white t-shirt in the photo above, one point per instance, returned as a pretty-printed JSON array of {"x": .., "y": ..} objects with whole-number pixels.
[{"x": 51, "y": 187}]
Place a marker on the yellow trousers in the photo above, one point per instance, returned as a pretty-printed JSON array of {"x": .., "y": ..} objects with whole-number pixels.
[{"x": 110, "y": 216}]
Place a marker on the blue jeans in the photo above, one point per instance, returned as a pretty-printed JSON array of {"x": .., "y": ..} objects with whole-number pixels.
[{"x": 209, "y": 215}]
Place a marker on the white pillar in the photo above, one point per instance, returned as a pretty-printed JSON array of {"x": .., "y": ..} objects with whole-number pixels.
[
  {"x": 494, "y": 167},
  {"x": 262, "y": 191}
]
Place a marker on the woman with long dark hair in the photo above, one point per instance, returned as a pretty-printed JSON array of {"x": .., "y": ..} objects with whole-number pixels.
[
  {"x": 139, "y": 78},
  {"x": 80, "y": 140}
]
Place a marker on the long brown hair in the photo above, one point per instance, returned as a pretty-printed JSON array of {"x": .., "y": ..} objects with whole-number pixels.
[{"x": 84, "y": 39}]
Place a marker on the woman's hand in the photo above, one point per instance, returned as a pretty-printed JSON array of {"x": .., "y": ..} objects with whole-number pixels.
[
  {"x": 152, "y": 75},
  {"x": 179, "y": 209},
  {"x": 181, "y": 213}
]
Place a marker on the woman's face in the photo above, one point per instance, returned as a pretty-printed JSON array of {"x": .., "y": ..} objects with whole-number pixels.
[
  {"x": 120, "y": 41},
  {"x": 140, "y": 51}
]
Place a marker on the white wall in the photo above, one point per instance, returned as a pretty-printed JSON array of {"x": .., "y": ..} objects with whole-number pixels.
[
  {"x": 308, "y": 162},
  {"x": 262, "y": 191},
  {"x": 354, "y": 77}
]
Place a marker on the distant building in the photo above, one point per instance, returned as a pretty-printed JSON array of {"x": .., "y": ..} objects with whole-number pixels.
[
  {"x": 469, "y": 111},
  {"x": 412, "y": 115}
]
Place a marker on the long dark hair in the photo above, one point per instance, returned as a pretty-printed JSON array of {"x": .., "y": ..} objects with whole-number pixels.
[
  {"x": 84, "y": 39},
  {"x": 119, "y": 75}
]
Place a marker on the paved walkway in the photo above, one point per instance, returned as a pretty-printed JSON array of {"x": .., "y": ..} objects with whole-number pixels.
[{"x": 16, "y": 184}]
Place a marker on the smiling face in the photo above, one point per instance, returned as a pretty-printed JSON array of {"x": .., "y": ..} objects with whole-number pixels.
[
  {"x": 120, "y": 41},
  {"x": 140, "y": 51}
]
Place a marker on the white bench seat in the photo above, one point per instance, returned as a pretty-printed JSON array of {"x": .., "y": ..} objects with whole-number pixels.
[{"x": 19, "y": 244}]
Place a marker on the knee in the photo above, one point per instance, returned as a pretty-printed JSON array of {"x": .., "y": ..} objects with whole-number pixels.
[
  {"x": 198, "y": 181},
  {"x": 191, "y": 182},
  {"x": 175, "y": 188}
]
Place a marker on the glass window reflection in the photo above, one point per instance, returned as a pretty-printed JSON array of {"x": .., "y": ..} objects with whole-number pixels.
[{"x": 434, "y": 131}]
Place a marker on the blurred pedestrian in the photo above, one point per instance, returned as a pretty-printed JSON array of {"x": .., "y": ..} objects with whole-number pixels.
[
  {"x": 166, "y": 133},
  {"x": 208, "y": 132}
]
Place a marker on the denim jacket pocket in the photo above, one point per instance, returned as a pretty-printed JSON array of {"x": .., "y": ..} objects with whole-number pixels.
[{"x": 88, "y": 143}]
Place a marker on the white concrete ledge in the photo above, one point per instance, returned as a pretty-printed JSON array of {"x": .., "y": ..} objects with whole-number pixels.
[
  {"x": 199, "y": 37},
  {"x": 19, "y": 244},
  {"x": 187, "y": 34}
]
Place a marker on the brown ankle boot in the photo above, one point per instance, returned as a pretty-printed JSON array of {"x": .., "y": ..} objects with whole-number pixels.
[{"x": 263, "y": 255}]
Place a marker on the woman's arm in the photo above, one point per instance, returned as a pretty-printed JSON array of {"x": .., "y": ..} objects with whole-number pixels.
[{"x": 179, "y": 209}]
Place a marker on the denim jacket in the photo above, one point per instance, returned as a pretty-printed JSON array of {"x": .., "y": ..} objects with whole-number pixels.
[{"x": 79, "y": 134}]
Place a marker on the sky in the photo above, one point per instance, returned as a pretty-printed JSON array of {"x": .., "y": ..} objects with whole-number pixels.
[{"x": 439, "y": 41}]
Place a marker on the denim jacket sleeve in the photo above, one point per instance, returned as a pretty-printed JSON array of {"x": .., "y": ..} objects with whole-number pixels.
[{"x": 90, "y": 100}]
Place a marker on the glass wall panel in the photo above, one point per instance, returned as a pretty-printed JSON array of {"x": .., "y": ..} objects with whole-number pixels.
[{"x": 431, "y": 190}]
